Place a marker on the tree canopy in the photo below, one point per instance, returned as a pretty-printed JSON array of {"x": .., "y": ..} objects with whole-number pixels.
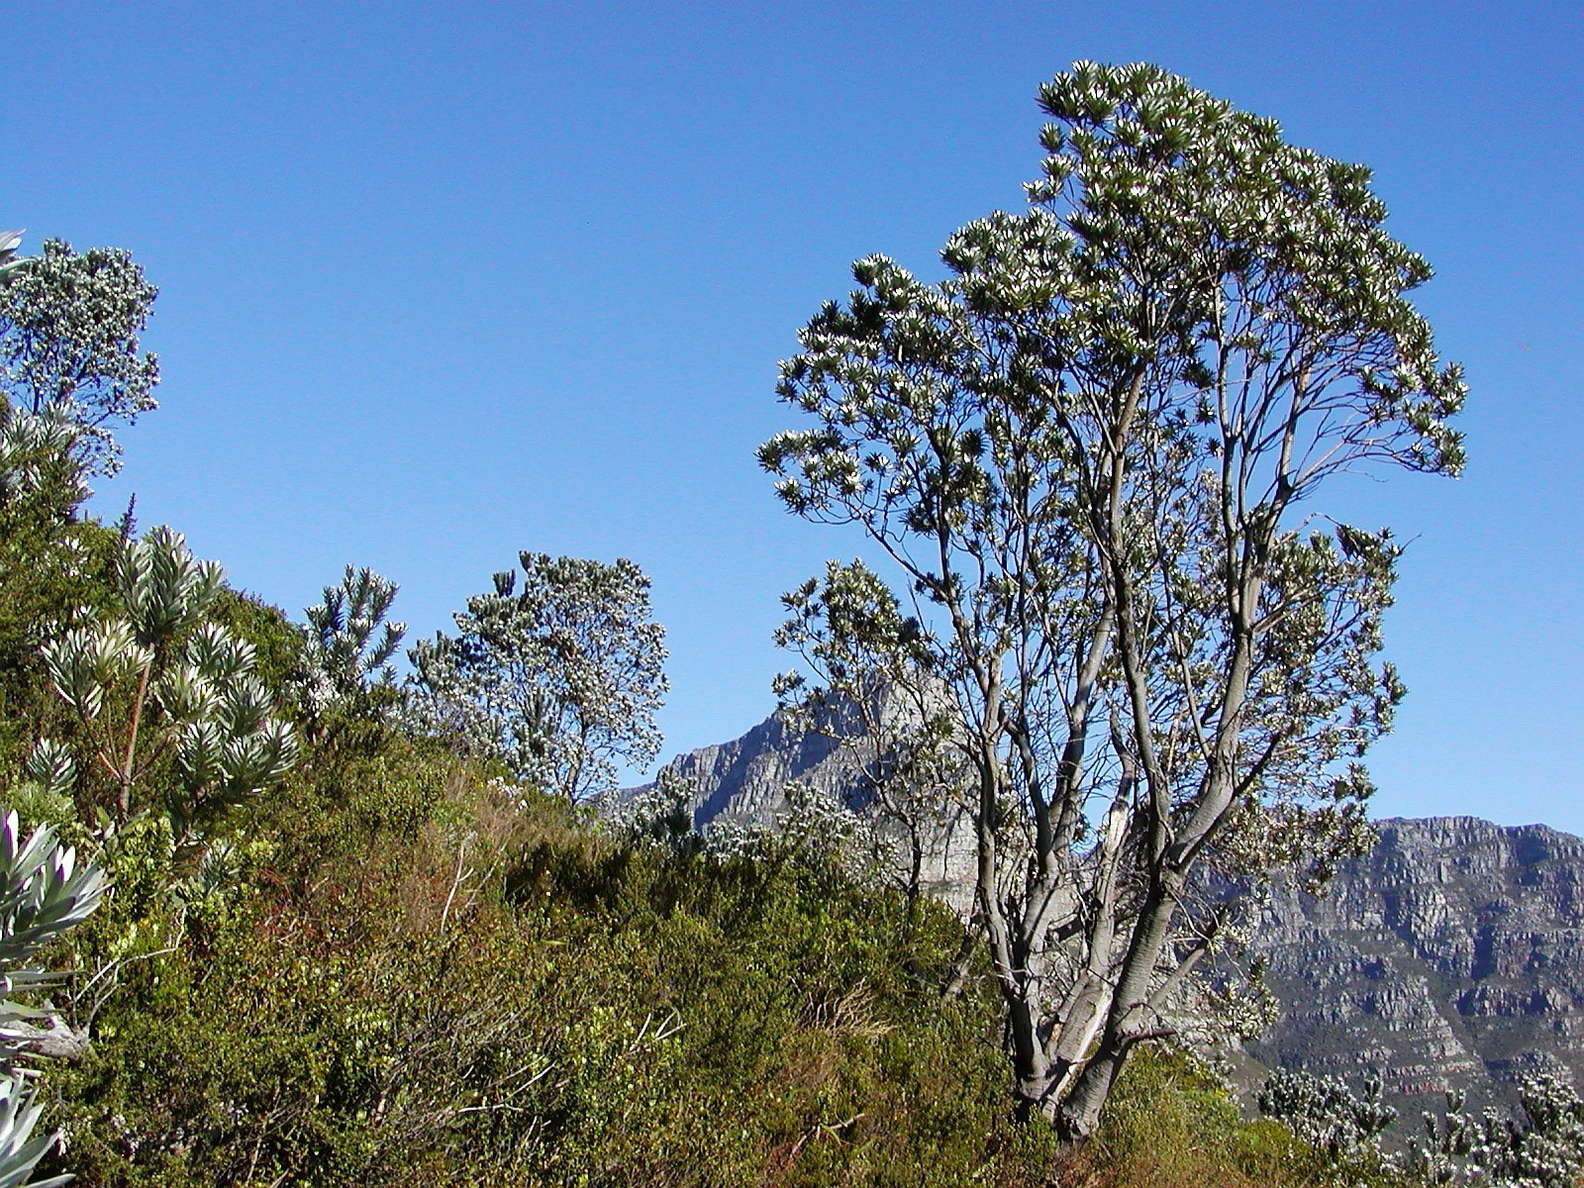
[
  {"x": 69, "y": 325},
  {"x": 558, "y": 680}
]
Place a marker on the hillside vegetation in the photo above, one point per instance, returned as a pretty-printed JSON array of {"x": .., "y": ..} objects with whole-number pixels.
[
  {"x": 392, "y": 964},
  {"x": 403, "y": 972}
]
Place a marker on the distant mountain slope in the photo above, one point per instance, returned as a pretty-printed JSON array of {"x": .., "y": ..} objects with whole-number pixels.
[
  {"x": 1453, "y": 952},
  {"x": 1451, "y": 955},
  {"x": 744, "y": 781}
]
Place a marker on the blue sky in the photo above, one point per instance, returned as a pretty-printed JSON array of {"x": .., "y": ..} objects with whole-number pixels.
[{"x": 444, "y": 282}]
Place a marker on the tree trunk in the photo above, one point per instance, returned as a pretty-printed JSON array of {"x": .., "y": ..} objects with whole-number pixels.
[
  {"x": 1031, "y": 1071},
  {"x": 1077, "y": 1116}
]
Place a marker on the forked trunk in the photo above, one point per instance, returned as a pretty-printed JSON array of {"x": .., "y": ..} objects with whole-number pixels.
[
  {"x": 1077, "y": 1116},
  {"x": 1049, "y": 1089}
]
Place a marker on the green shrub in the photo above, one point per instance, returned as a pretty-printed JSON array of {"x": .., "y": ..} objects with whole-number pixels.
[{"x": 1173, "y": 1125}]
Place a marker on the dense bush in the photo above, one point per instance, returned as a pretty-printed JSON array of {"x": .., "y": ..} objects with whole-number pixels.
[
  {"x": 498, "y": 992},
  {"x": 396, "y": 967},
  {"x": 413, "y": 975}
]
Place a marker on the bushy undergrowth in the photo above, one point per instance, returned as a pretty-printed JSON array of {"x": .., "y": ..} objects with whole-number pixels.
[
  {"x": 478, "y": 991},
  {"x": 410, "y": 975},
  {"x": 393, "y": 967},
  {"x": 396, "y": 968}
]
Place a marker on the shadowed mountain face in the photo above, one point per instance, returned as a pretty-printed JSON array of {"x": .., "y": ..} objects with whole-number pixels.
[{"x": 1451, "y": 955}]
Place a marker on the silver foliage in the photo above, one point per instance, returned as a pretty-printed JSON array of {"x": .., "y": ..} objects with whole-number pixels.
[
  {"x": 556, "y": 681},
  {"x": 1544, "y": 1149},
  {"x": 1493, "y": 1150},
  {"x": 69, "y": 325},
  {"x": 1087, "y": 463},
  {"x": 348, "y": 642},
  {"x": 43, "y": 893},
  {"x": 32, "y": 446},
  {"x": 1326, "y": 1114},
  {"x": 190, "y": 683}
]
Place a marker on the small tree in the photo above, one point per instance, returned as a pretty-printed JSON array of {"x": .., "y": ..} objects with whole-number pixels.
[
  {"x": 557, "y": 681},
  {"x": 159, "y": 683},
  {"x": 342, "y": 653},
  {"x": 1326, "y": 1114},
  {"x": 1091, "y": 457},
  {"x": 873, "y": 693},
  {"x": 69, "y": 325}
]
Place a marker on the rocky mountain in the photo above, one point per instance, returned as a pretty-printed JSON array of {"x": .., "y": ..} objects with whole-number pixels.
[
  {"x": 744, "y": 782},
  {"x": 1450, "y": 955}
]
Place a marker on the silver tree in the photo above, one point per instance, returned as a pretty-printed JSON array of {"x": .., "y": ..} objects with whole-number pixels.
[
  {"x": 558, "y": 680},
  {"x": 872, "y": 692},
  {"x": 1090, "y": 458},
  {"x": 348, "y": 643},
  {"x": 69, "y": 325},
  {"x": 186, "y": 685}
]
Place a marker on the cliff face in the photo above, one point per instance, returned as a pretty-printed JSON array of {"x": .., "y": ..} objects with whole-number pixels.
[
  {"x": 744, "y": 781},
  {"x": 1450, "y": 955}
]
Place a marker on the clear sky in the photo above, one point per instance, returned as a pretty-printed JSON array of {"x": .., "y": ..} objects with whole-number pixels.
[{"x": 440, "y": 282}]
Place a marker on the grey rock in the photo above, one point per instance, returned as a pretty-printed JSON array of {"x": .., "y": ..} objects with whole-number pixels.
[
  {"x": 743, "y": 782},
  {"x": 1451, "y": 955}
]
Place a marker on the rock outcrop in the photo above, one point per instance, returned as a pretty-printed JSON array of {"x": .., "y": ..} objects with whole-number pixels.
[{"x": 1450, "y": 955}]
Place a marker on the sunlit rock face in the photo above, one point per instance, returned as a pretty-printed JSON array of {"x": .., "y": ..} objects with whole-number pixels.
[
  {"x": 1450, "y": 955},
  {"x": 744, "y": 780}
]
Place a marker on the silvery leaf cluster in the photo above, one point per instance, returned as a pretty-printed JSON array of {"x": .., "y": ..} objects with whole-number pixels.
[
  {"x": 43, "y": 893},
  {"x": 10, "y": 245},
  {"x": 30, "y": 445},
  {"x": 660, "y": 814},
  {"x": 348, "y": 642},
  {"x": 166, "y": 590},
  {"x": 1325, "y": 1113},
  {"x": 20, "y": 1152},
  {"x": 193, "y": 679},
  {"x": 1494, "y": 1150},
  {"x": 1485, "y": 1150},
  {"x": 556, "y": 681}
]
